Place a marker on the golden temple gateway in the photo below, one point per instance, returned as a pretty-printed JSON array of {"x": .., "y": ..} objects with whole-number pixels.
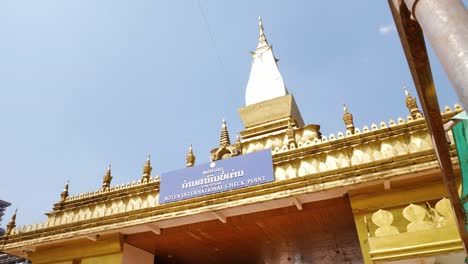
[{"x": 369, "y": 195}]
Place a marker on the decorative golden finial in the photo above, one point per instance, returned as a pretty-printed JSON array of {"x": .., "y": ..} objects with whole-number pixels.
[
  {"x": 411, "y": 104},
  {"x": 11, "y": 224},
  {"x": 348, "y": 119},
  {"x": 262, "y": 41},
  {"x": 225, "y": 150},
  {"x": 190, "y": 158},
  {"x": 147, "y": 169},
  {"x": 406, "y": 90},
  {"x": 238, "y": 144},
  {"x": 224, "y": 140},
  {"x": 106, "y": 179},
  {"x": 291, "y": 135},
  {"x": 64, "y": 194}
]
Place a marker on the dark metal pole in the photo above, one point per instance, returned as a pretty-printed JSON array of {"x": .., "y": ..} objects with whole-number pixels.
[
  {"x": 412, "y": 39},
  {"x": 445, "y": 25}
]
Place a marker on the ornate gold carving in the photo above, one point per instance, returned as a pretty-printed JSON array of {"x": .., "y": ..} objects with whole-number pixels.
[
  {"x": 11, "y": 224},
  {"x": 225, "y": 150},
  {"x": 384, "y": 219},
  {"x": 238, "y": 144},
  {"x": 412, "y": 105},
  {"x": 307, "y": 137},
  {"x": 147, "y": 170},
  {"x": 224, "y": 140},
  {"x": 348, "y": 120},
  {"x": 290, "y": 136},
  {"x": 443, "y": 213},
  {"x": 107, "y": 178},
  {"x": 64, "y": 194},
  {"x": 417, "y": 216},
  {"x": 430, "y": 231}
]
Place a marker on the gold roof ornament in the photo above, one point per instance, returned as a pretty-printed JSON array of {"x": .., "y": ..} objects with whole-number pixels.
[
  {"x": 147, "y": 169},
  {"x": 411, "y": 104},
  {"x": 348, "y": 120},
  {"x": 238, "y": 138},
  {"x": 224, "y": 139},
  {"x": 225, "y": 150},
  {"x": 290, "y": 134},
  {"x": 238, "y": 144},
  {"x": 64, "y": 194},
  {"x": 11, "y": 224},
  {"x": 106, "y": 179},
  {"x": 190, "y": 158}
]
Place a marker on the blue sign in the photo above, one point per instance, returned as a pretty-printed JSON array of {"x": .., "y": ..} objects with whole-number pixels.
[{"x": 218, "y": 176}]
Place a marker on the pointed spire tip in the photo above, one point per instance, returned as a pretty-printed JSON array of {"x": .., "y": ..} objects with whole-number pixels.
[
  {"x": 405, "y": 88},
  {"x": 262, "y": 42}
]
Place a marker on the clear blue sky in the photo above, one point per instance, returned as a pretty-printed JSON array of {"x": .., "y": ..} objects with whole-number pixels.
[{"x": 84, "y": 83}]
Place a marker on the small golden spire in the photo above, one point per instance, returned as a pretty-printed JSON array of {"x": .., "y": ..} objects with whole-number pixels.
[
  {"x": 64, "y": 194},
  {"x": 411, "y": 104},
  {"x": 406, "y": 90},
  {"x": 224, "y": 140},
  {"x": 238, "y": 144},
  {"x": 147, "y": 169},
  {"x": 348, "y": 119},
  {"x": 262, "y": 41},
  {"x": 11, "y": 224},
  {"x": 190, "y": 158},
  {"x": 107, "y": 178}
]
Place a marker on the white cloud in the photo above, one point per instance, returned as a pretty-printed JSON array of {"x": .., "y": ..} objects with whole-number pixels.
[{"x": 386, "y": 29}]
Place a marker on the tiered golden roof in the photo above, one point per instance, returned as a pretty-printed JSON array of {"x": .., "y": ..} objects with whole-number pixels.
[
  {"x": 224, "y": 140},
  {"x": 225, "y": 149}
]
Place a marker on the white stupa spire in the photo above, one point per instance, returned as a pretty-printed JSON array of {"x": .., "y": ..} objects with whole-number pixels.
[{"x": 265, "y": 81}]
